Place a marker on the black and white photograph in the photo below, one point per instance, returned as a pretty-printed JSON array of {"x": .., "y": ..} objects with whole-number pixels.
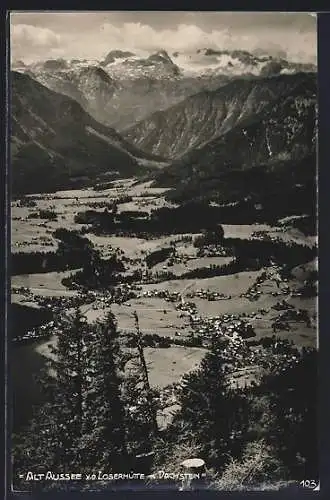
[{"x": 163, "y": 329}]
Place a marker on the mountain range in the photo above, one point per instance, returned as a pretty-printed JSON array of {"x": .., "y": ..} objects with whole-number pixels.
[
  {"x": 124, "y": 87},
  {"x": 56, "y": 144},
  {"x": 208, "y": 115},
  {"x": 265, "y": 148},
  {"x": 242, "y": 126}
]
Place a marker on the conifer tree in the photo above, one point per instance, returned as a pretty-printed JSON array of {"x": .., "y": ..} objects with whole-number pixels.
[
  {"x": 69, "y": 367},
  {"x": 211, "y": 410},
  {"x": 104, "y": 440},
  {"x": 292, "y": 391},
  {"x": 52, "y": 439},
  {"x": 87, "y": 418},
  {"x": 141, "y": 401}
]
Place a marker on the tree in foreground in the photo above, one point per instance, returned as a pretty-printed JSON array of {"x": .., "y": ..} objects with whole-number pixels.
[
  {"x": 88, "y": 420},
  {"x": 103, "y": 442},
  {"x": 258, "y": 469},
  {"x": 81, "y": 422},
  {"x": 51, "y": 440},
  {"x": 271, "y": 425},
  {"x": 211, "y": 411},
  {"x": 292, "y": 394},
  {"x": 141, "y": 401}
]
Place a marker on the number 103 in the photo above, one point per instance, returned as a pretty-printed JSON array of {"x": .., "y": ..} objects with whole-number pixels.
[{"x": 309, "y": 483}]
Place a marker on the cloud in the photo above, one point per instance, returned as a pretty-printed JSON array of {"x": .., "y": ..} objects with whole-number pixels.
[
  {"x": 37, "y": 41},
  {"x": 290, "y": 41},
  {"x": 293, "y": 44}
]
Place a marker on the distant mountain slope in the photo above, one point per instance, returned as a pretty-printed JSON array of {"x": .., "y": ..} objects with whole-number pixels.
[
  {"x": 272, "y": 142},
  {"x": 122, "y": 91},
  {"x": 236, "y": 63},
  {"x": 126, "y": 87},
  {"x": 89, "y": 85},
  {"x": 158, "y": 65},
  {"x": 55, "y": 143},
  {"x": 113, "y": 55},
  {"x": 210, "y": 114}
]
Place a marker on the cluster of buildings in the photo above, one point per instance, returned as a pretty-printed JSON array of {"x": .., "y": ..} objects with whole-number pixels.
[
  {"x": 208, "y": 295},
  {"x": 39, "y": 332},
  {"x": 213, "y": 251},
  {"x": 254, "y": 292},
  {"x": 162, "y": 294}
]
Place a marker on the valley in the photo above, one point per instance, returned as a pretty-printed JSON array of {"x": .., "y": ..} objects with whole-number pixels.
[
  {"x": 180, "y": 312},
  {"x": 164, "y": 261}
]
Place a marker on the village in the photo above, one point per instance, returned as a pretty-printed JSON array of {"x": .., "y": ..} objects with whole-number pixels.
[{"x": 184, "y": 291}]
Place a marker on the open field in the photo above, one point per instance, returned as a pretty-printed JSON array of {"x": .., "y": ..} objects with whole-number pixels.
[
  {"x": 233, "y": 284},
  {"x": 167, "y": 366},
  {"x": 132, "y": 247},
  {"x": 48, "y": 284},
  {"x": 155, "y": 316},
  {"x": 188, "y": 264},
  {"x": 35, "y": 234}
]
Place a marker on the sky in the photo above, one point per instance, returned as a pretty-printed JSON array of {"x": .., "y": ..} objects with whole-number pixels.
[{"x": 45, "y": 35}]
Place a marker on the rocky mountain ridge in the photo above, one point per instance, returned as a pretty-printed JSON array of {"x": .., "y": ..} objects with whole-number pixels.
[
  {"x": 139, "y": 85},
  {"x": 271, "y": 143},
  {"x": 210, "y": 114},
  {"x": 55, "y": 143}
]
